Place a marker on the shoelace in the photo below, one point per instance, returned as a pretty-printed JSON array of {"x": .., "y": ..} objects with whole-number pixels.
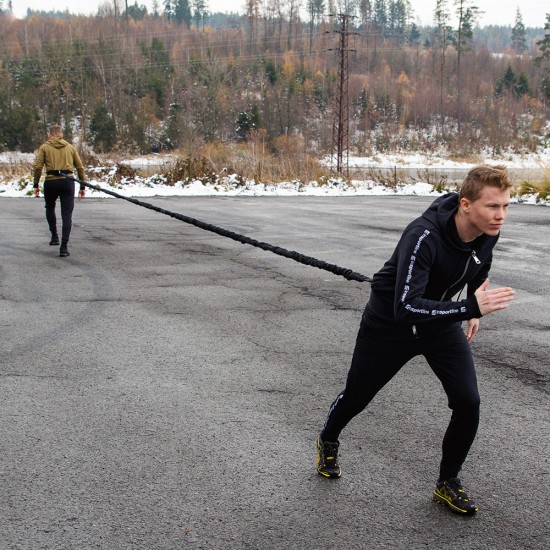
[
  {"x": 456, "y": 488},
  {"x": 330, "y": 452}
]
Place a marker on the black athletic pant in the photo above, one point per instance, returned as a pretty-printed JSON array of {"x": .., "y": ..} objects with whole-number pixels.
[
  {"x": 64, "y": 189},
  {"x": 375, "y": 362}
]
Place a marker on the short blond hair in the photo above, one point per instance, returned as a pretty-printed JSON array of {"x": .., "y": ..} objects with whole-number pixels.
[
  {"x": 55, "y": 130},
  {"x": 484, "y": 176}
]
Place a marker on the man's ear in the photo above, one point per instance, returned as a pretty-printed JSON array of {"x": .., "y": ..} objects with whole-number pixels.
[{"x": 465, "y": 205}]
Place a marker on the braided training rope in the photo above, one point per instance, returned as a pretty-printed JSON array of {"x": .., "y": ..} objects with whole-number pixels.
[{"x": 296, "y": 256}]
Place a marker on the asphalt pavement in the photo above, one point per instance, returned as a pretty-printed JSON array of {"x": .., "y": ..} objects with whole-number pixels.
[{"x": 162, "y": 388}]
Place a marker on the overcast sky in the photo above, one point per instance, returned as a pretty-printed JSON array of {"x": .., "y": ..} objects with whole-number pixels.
[{"x": 496, "y": 12}]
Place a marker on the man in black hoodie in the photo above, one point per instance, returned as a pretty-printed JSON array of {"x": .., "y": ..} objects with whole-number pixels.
[{"x": 411, "y": 312}]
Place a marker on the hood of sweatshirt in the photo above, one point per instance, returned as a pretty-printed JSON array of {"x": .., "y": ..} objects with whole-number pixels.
[
  {"x": 57, "y": 142},
  {"x": 441, "y": 215}
]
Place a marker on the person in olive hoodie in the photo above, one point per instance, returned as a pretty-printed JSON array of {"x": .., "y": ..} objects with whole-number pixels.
[
  {"x": 60, "y": 159},
  {"x": 411, "y": 311}
]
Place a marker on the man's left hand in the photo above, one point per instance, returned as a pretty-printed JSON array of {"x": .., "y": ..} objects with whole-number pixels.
[{"x": 81, "y": 194}]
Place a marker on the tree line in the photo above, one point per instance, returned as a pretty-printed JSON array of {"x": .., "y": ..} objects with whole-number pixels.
[{"x": 129, "y": 81}]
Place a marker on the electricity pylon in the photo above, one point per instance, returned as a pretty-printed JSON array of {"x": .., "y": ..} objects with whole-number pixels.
[{"x": 340, "y": 129}]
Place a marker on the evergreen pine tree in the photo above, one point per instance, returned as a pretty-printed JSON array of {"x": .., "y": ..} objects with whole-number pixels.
[
  {"x": 544, "y": 44},
  {"x": 182, "y": 12},
  {"x": 521, "y": 85},
  {"x": 380, "y": 18},
  {"x": 169, "y": 9},
  {"x": 519, "y": 41},
  {"x": 103, "y": 129}
]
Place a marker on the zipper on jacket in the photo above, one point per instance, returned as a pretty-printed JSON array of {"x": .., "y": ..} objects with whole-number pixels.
[{"x": 476, "y": 260}]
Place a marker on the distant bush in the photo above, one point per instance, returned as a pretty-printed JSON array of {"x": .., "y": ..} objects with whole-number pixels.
[
  {"x": 191, "y": 168},
  {"x": 540, "y": 190}
]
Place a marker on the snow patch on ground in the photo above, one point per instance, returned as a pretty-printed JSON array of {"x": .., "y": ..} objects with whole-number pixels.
[{"x": 231, "y": 185}]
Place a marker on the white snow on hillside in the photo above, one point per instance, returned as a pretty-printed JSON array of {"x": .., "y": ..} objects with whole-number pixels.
[{"x": 520, "y": 166}]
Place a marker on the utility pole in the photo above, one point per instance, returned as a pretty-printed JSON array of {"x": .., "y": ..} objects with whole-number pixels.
[{"x": 340, "y": 129}]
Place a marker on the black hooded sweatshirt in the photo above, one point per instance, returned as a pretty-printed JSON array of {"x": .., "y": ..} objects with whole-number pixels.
[{"x": 412, "y": 293}]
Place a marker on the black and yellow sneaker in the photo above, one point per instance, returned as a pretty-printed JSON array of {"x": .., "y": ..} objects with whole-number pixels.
[
  {"x": 452, "y": 494},
  {"x": 327, "y": 458}
]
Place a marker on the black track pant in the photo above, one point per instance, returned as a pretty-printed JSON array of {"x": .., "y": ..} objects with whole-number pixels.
[
  {"x": 375, "y": 362},
  {"x": 64, "y": 190}
]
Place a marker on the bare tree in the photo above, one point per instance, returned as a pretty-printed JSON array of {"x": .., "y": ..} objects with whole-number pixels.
[
  {"x": 293, "y": 17},
  {"x": 444, "y": 38},
  {"x": 315, "y": 9},
  {"x": 253, "y": 16},
  {"x": 467, "y": 14}
]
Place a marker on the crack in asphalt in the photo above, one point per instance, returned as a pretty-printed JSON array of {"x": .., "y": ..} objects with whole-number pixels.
[{"x": 529, "y": 377}]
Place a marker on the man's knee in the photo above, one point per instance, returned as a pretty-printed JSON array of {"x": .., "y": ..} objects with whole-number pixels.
[{"x": 466, "y": 405}]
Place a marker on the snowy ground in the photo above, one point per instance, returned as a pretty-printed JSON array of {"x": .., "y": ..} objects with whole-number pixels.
[{"x": 410, "y": 168}]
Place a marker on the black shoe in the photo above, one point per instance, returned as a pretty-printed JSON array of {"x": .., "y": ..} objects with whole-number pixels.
[
  {"x": 452, "y": 494},
  {"x": 327, "y": 458},
  {"x": 64, "y": 251},
  {"x": 54, "y": 241}
]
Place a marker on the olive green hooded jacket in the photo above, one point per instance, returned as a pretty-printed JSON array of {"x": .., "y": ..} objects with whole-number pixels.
[{"x": 57, "y": 154}]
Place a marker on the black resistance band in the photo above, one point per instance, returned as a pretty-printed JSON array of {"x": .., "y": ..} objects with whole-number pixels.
[{"x": 296, "y": 256}]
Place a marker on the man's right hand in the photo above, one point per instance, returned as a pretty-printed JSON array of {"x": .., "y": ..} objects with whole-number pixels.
[
  {"x": 36, "y": 191},
  {"x": 494, "y": 299}
]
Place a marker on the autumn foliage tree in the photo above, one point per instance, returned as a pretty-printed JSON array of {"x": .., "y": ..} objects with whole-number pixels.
[{"x": 145, "y": 82}]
